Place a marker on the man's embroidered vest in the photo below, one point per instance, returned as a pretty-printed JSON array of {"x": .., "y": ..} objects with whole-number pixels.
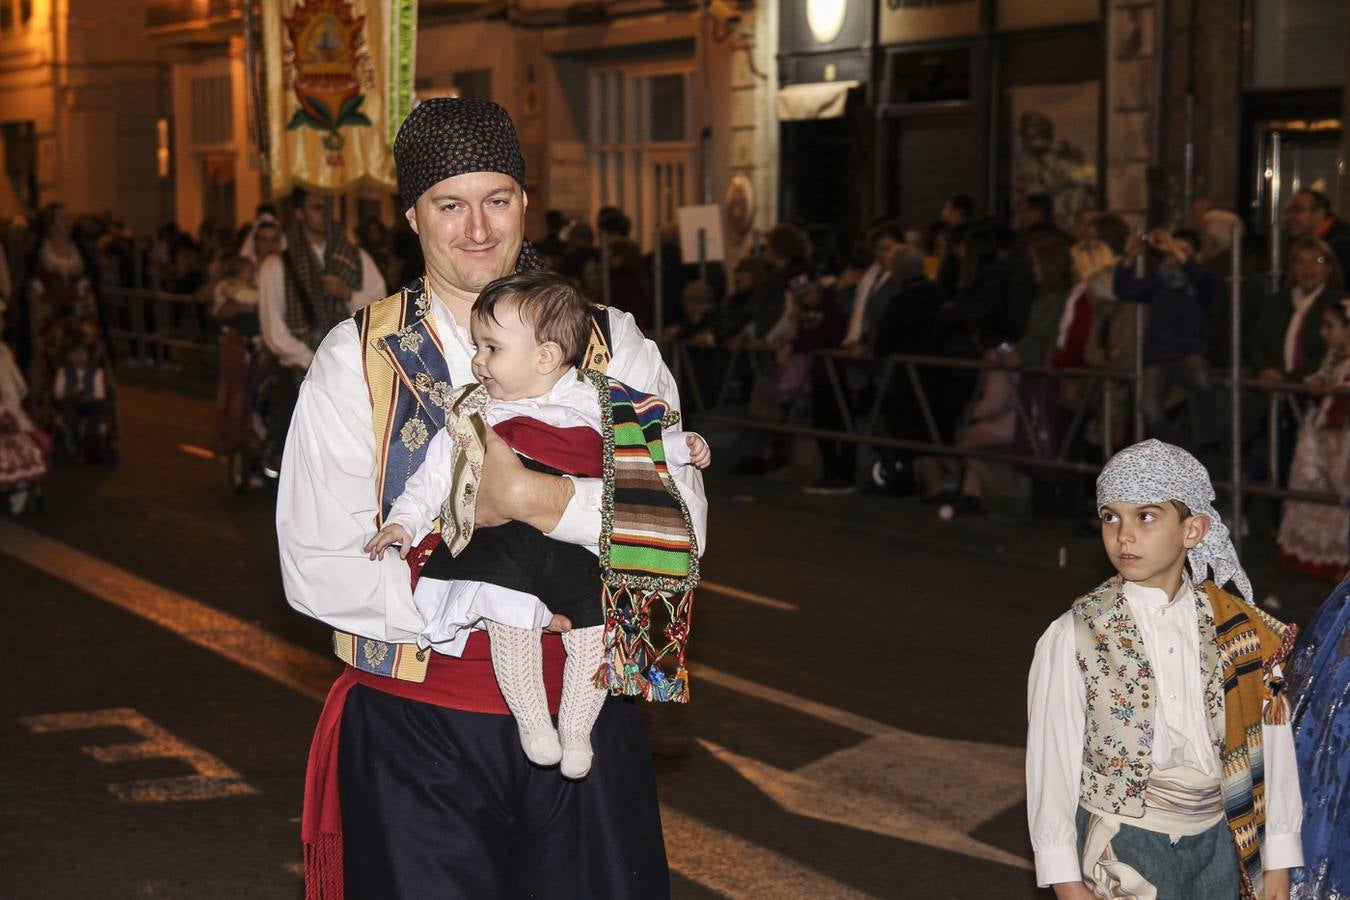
[
  {"x": 1239, "y": 646},
  {"x": 408, "y": 379}
]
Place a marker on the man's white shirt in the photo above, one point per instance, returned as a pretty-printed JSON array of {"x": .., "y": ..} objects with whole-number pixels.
[
  {"x": 1056, "y": 713},
  {"x": 326, "y": 502},
  {"x": 285, "y": 346}
]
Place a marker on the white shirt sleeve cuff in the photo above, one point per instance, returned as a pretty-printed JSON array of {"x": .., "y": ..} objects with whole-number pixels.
[
  {"x": 1282, "y": 851},
  {"x": 1055, "y": 865},
  {"x": 677, "y": 448},
  {"x": 580, "y": 522}
]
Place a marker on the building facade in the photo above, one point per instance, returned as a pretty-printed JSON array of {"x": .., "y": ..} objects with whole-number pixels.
[
  {"x": 645, "y": 105},
  {"x": 1139, "y": 106},
  {"x": 79, "y": 85}
]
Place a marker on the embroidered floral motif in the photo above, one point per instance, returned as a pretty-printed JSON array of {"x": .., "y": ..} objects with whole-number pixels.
[
  {"x": 1118, "y": 680},
  {"x": 409, "y": 340},
  {"x": 374, "y": 652},
  {"x": 422, "y": 381},
  {"x": 413, "y": 434},
  {"x": 422, "y": 306},
  {"x": 441, "y": 394}
]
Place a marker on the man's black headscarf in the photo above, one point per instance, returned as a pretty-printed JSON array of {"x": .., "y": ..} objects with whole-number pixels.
[{"x": 447, "y": 136}]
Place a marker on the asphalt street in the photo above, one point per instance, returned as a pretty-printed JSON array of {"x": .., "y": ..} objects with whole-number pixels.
[{"x": 856, "y": 729}]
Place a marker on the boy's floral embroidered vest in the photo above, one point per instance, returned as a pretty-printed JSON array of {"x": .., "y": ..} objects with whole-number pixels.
[
  {"x": 408, "y": 379},
  {"x": 1239, "y": 646}
]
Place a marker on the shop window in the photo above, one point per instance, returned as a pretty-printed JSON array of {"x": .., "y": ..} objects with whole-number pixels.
[
  {"x": 928, "y": 76},
  {"x": 1296, "y": 43}
]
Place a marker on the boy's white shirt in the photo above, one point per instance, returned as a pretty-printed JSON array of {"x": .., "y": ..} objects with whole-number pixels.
[
  {"x": 1056, "y": 713},
  {"x": 570, "y": 403}
]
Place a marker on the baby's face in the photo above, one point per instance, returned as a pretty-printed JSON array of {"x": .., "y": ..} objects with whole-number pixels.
[{"x": 506, "y": 357}]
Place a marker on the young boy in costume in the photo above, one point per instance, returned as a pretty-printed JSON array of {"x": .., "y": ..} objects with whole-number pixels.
[
  {"x": 531, "y": 332},
  {"x": 1160, "y": 761}
]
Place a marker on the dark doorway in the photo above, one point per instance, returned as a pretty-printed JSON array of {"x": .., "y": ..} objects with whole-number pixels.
[{"x": 826, "y": 178}]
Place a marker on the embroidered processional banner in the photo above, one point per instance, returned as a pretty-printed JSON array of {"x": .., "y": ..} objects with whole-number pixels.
[{"x": 339, "y": 76}]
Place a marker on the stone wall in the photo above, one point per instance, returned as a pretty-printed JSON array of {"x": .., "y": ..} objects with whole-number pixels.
[{"x": 1130, "y": 70}]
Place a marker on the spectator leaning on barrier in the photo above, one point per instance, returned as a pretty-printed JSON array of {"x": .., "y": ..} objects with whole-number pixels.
[
  {"x": 919, "y": 321},
  {"x": 1309, "y": 215},
  {"x": 1177, "y": 290},
  {"x": 1052, "y": 272},
  {"x": 1216, "y": 252},
  {"x": 1289, "y": 345},
  {"x": 787, "y": 255},
  {"x": 1110, "y": 346},
  {"x": 871, "y": 293},
  {"x": 1035, "y": 222}
]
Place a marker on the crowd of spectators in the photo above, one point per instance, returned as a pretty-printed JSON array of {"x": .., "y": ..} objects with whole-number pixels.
[
  {"x": 1051, "y": 313},
  {"x": 795, "y": 331}
]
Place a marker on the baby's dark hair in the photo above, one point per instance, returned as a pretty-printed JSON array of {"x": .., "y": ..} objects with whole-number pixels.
[
  {"x": 1339, "y": 311},
  {"x": 1182, "y": 509},
  {"x": 548, "y": 303}
]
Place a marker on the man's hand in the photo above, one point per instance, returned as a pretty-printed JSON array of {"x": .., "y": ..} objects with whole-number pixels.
[
  {"x": 558, "y": 625},
  {"x": 510, "y": 492},
  {"x": 1276, "y": 885},
  {"x": 387, "y": 537},
  {"x": 700, "y": 455},
  {"x": 1072, "y": 890},
  {"x": 334, "y": 286}
]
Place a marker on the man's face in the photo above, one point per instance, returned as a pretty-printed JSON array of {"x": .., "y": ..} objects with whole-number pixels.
[
  {"x": 313, "y": 214},
  {"x": 1147, "y": 543},
  {"x": 883, "y": 248},
  {"x": 1311, "y": 270},
  {"x": 471, "y": 228},
  {"x": 951, "y": 215},
  {"x": 1301, "y": 218},
  {"x": 506, "y": 356},
  {"x": 266, "y": 242}
]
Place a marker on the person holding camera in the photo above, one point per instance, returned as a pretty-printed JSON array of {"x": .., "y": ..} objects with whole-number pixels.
[{"x": 1177, "y": 287}]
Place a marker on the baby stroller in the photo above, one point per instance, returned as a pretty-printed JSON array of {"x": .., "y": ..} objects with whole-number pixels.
[{"x": 241, "y": 400}]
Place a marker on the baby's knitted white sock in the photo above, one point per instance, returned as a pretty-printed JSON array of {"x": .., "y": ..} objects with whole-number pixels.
[
  {"x": 581, "y": 700},
  {"x": 518, "y": 663}
]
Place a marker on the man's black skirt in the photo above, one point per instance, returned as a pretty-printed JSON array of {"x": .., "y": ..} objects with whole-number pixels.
[{"x": 441, "y": 803}]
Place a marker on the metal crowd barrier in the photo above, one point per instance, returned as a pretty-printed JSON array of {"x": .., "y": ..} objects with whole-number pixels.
[
  {"x": 148, "y": 324},
  {"x": 1100, "y": 393}
]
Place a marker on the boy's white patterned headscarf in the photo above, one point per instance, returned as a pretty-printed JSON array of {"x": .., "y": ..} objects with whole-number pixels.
[{"x": 1154, "y": 472}]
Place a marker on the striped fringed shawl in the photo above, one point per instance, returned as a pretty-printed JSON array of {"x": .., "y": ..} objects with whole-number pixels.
[
  {"x": 1250, "y": 645},
  {"x": 648, "y": 551}
]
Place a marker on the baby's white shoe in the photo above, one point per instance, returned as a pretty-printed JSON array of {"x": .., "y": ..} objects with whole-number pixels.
[
  {"x": 542, "y": 747},
  {"x": 576, "y": 761}
]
